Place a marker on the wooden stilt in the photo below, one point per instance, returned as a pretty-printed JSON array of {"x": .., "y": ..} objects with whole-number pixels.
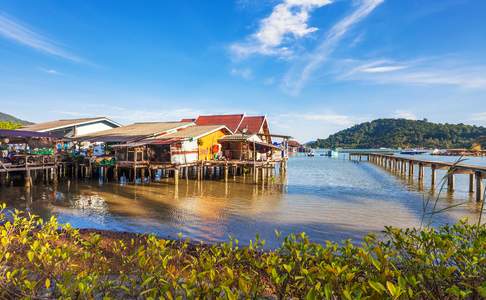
[
  {"x": 433, "y": 176},
  {"x": 176, "y": 176},
  {"x": 479, "y": 187},
  {"x": 450, "y": 182}
]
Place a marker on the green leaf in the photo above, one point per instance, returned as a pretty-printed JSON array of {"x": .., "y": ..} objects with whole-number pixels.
[
  {"x": 311, "y": 295},
  {"x": 30, "y": 256},
  {"x": 377, "y": 286}
]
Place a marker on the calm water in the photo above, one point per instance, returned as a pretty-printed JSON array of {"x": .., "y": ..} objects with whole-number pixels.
[{"x": 327, "y": 198}]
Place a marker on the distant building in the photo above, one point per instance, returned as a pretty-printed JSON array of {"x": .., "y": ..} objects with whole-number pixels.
[
  {"x": 294, "y": 146},
  {"x": 73, "y": 128}
]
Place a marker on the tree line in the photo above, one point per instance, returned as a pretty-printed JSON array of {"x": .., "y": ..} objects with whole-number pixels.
[{"x": 403, "y": 133}]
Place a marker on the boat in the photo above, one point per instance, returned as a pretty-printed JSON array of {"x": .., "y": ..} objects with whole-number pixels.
[
  {"x": 311, "y": 154},
  {"x": 332, "y": 153}
]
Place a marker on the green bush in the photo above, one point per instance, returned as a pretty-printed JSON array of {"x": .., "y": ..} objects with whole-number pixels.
[
  {"x": 43, "y": 259},
  {"x": 9, "y": 125}
]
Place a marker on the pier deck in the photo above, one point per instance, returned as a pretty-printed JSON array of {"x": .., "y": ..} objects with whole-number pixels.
[{"x": 406, "y": 165}]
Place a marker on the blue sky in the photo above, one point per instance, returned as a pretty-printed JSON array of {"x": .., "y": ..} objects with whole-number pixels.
[{"x": 312, "y": 66}]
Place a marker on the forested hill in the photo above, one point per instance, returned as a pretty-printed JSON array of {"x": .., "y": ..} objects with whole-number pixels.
[
  {"x": 394, "y": 133},
  {"x": 9, "y": 118}
]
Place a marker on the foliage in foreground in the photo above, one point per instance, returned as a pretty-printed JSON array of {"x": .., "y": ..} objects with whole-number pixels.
[{"x": 40, "y": 260}]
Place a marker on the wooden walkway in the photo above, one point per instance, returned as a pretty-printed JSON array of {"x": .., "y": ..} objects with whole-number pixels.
[{"x": 407, "y": 165}]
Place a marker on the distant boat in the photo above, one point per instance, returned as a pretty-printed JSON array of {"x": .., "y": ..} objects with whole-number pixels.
[
  {"x": 413, "y": 152},
  {"x": 311, "y": 154}
]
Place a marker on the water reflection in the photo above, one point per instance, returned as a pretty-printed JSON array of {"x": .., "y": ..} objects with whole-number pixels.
[{"x": 327, "y": 198}]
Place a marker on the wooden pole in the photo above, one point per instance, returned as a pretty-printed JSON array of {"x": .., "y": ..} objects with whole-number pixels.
[
  {"x": 176, "y": 176},
  {"x": 479, "y": 187},
  {"x": 450, "y": 181},
  {"x": 433, "y": 176},
  {"x": 421, "y": 172},
  {"x": 471, "y": 183}
]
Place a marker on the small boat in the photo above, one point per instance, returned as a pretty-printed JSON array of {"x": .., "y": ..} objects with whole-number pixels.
[
  {"x": 332, "y": 153},
  {"x": 311, "y": 154}
]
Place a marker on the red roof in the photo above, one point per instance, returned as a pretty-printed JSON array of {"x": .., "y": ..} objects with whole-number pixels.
[
  {"x": 252, "y": 124},
  {"x": 293, "y": 143},
  {"x": 231, "y": 121},
  {"x": 188, "y": 120}
]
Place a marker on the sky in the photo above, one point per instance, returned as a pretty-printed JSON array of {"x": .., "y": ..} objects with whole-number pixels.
[{"x": 313, "y": 67}]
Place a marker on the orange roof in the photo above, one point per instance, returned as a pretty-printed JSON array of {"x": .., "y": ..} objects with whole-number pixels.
[
  {"x": 231, "y": 121},
  {"x": 252, "y": 124}
]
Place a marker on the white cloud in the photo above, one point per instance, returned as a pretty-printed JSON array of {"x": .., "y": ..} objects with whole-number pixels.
[
  {"x": 382, "y": 69},
  {"x": 403, "y": 114},
  {"x": 50, "y": 71},
  {"x": 435, "y": 71},
  {"x": 287, "y": 22},
  {"x": 245, "y": 73},
  {"x": 297, "y": 77},
  {"x": 15, "y": 31}
]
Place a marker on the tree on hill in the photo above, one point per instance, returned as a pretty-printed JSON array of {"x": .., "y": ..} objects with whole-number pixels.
[
  {"x": 10, "y": 118},
  {"x": 394, "y": 133},
  {"x": 9, "y": 125}
]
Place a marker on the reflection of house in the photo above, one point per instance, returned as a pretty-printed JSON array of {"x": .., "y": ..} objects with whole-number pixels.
[{"x": 73, "y": 128}]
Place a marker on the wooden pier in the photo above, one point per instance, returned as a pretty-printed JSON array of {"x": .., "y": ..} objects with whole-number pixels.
[{"x": 406, "y": 166}]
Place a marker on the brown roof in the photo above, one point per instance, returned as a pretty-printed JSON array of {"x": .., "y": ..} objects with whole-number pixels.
[
  {"x": 230, "y": 121},
  {"x": 252, "y": 124},
  {"x": 58, "y": 124},
  {"x": 135, "y": 131},
  {"x": 293, "y": 143}
]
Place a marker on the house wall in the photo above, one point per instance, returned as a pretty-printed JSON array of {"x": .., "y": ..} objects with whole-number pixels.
[
  {"x": 206, "y": 143},
  {"x": 184, "y": 152}
]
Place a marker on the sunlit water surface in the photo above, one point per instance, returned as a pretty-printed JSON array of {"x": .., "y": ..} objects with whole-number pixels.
[{"x": 329, "y": 199}]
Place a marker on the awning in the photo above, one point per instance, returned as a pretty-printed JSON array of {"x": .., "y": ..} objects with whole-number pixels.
[
  {"x": 4, "y": 133},
  {"x": 266, "y": 145}
]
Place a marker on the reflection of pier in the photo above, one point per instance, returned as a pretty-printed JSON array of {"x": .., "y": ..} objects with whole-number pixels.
[{"x": 406, "y": 166}]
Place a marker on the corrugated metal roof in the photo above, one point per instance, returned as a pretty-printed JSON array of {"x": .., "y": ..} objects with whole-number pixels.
[
  {"x": 237, "y": 137},
  {"x": 59, "y": 124},
  {"x": 195, "y": 131},
  {"x": 135, "y": 131},
  {"x": 230, "y": 121}
]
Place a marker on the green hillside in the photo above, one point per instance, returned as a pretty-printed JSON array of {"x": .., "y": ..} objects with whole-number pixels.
[
  {"x": 394, "y": 133},
  {"x": 10, "y": 122},
  {"x": 10, "y": 118}
]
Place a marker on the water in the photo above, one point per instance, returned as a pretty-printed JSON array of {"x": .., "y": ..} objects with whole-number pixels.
[{"x": 329, "y": 199}]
